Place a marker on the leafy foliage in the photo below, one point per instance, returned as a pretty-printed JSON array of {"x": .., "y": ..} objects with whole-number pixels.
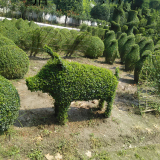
[
  {"x": 14, "y": 62},
  {"x": 68, "y": 81},
  {"x": 9, "y": 104}
]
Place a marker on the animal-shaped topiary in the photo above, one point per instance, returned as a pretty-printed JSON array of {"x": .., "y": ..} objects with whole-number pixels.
[
  {"x": 149, "y": 45},
  {"x": 121, "y": 41},
  {"x": 14, "y": 62},
  {"x": 139, "y": 65},
  {"x": 127, "y": 47},
  {"x": 132, "y": 21},
  {"x": 68, "y": 81},
  {"x": 9, "y": 104},
  {"x": 110, "y": 35},
  {"x": 142, "y": 43},
  {"x": 111, "y": 52},
  {"x": 132, "y": 57}
]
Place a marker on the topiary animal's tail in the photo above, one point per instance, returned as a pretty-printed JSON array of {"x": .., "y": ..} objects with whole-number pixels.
[{"x": 117, "y": 73}]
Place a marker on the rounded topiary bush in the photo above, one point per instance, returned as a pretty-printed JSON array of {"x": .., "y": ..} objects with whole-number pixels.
[
  {"x": 9, "y": 104},
  {"x": 5, "y": 41},
  {"x": 93, "y": 47},
  {"x": 132, "y": 57},
  {"x": 14, "y": 62}
]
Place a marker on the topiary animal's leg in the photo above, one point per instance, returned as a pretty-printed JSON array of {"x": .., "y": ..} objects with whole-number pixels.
[
  {"x": 101, "y": 104},
  {"x": 61, "y": 112},
  {"x": 107, "y": 112}
]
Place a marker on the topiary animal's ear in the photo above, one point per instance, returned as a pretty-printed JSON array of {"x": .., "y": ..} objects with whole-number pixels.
[{"x": 55, "y": 56}]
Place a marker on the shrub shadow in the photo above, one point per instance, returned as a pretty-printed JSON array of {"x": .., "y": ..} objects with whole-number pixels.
[
  {"x": 46, "y": 116},
  {"x": 38, "y": 58}
]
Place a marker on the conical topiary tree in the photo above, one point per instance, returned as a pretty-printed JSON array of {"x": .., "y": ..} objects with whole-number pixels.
[
  {"x": 122, "y": 40},
  {"x": 127, "y": 47},
  {"x": 110, "y": 35},
  {"x": 132, "y": 21},
  {"x": 111, "y": 51},
  {"x": 139, "y": 65},
  {"x": 148, "y": 46},
  {"x": 132, "y": 57}
]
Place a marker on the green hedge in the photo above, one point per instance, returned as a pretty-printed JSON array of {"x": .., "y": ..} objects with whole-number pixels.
[
  {"x": 111, "y": 52},
  {"x": 68, "y": 81},
  {"x": 92, "y": 47},
  {"x": 132, "y": 57},
  {"x": 14, "y": 62},
  {"x": 9, "y": 104}
]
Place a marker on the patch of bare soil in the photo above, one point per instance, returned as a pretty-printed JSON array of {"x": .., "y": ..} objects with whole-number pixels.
[{"x": 86, "y": 129}]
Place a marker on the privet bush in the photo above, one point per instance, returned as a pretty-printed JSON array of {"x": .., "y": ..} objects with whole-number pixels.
[
  {"x": 9, "y": 104},
  {"x": 132, "y": 57},
  {"x": 110, "y": 35},
  {"x": 139, "y": 65},
  {"x": 138, "y": 38},
  {"x": 93, "y": 47},
  {"x": 101, "y": 33},
  {"x": 68, "y": 81},
  {"x": 127, "y": 47},
  {"x": 83, "y": 27},
  {"x": 122, "y": 40},
  {"x": 14, "y": 62},
  {"x": 111, "y": 51},
  {"x": 95, "y": 31}
]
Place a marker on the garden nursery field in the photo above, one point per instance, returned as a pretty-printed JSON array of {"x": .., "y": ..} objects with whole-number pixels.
[{"x": 91, "y": 94}]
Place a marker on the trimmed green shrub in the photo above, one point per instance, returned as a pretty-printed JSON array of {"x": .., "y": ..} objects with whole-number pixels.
[
  {"x": 68, "y": 81},
  {"x": 122, "y": 40},
  {"x": 89, "y": 29},
  {"x": 151, "y": 23},
  {"x": 138, "y": 38},
  {"x": 127, "y": 47},
  {"x": 115, "y": 26},
  {"x": 9, "y": 104},
  {"x": 118, "y": 34},
  {"x": 83, "y": 27},
  {"x": 142, "y": 43},
  {"x": 139, "y": 65},
  {"x": 14, "y": 62},
  {"x": 111, "y": 52},
  {"x": 135, "y": 30},
  {"x": 124, "y": 28},
  {"x": 142, "y": 30},
  {"x": 110, "y": 35},
  {"x": 132, "y": 21},
  {"x": 78, "y": 43},
  {"x": 33, "y": 25},
  {"x": 95, "y": 31},
  {"x": 5, "y": 41},
  {"x": 20, "y": 24},
  {"x": 101, "y": 33},
  {"x": 93, "y": 47},
  {"x": 149, "y": 45},
  {"x": 132, "y": 57}
]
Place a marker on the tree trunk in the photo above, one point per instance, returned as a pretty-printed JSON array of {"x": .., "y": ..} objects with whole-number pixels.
[{"x": 65, "y": 20}]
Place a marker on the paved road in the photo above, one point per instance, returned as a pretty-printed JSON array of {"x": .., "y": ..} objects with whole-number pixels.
[{"x": 45, "y": 25}]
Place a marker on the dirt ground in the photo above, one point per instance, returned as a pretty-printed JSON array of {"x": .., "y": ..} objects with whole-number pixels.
[{"x": 87, "y": 135}]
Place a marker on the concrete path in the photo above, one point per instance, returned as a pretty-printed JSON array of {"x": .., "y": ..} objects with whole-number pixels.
[{"x": 45, "y": 25}]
